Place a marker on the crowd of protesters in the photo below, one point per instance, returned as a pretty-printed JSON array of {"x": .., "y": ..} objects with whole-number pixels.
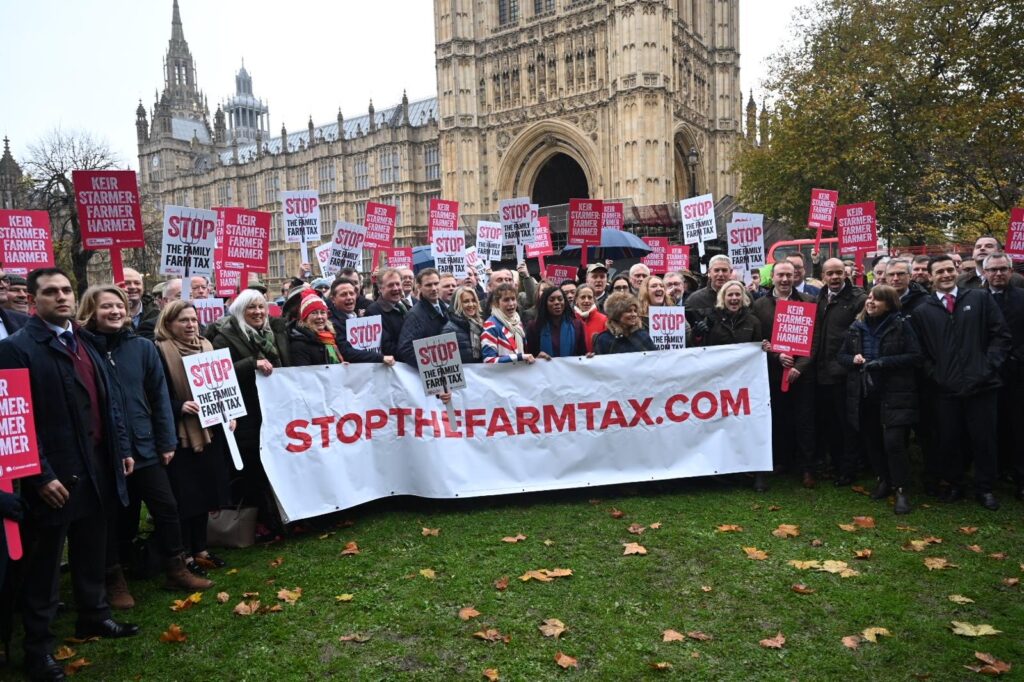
[{"x": 934, "y": 346}]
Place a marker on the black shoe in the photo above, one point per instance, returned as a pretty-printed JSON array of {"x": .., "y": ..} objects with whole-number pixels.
[
  {"x": 195, "y": 568},
  {"x": 109, "y": 628},
  {"x": 843, "y": 481},
  {"x": 902, "y": 505},
  {"x": 43, "y": 668},
  {"x": 954, "y": 494},
  {"x": 882, "y": 490},
  {"x": 760, "y": 483},
  {"x": 988, "y": 501}
]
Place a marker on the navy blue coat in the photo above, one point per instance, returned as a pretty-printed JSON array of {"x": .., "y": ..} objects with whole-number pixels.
[
  {"x": 421, "y": 322},
  {"x": 13, "y": 320},
  {"x": 140, "y": 388},
  {"x": 62, "y": 417}
]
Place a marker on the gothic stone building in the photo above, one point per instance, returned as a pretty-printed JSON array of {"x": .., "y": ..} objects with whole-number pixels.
[{"x": 555, "y": 99}]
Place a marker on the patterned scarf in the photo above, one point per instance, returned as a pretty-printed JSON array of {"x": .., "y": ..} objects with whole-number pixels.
[
  {"x": 330, "y": 344},
  {"x": 514, "y": 324}
]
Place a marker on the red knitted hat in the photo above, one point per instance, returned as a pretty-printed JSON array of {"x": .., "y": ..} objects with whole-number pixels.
[{"x": 310, "y": 301}]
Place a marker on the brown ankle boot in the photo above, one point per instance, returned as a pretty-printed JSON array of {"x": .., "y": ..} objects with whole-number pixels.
[
  {"x": 180, "y": 578},
  {"x": 118, "y": 595}
]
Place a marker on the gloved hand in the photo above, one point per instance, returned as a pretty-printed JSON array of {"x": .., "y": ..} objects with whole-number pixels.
[
  {"x": 12, "y": 506},
  {"x": 873, "y": 365},
  {"x": 701, "y": 327}
]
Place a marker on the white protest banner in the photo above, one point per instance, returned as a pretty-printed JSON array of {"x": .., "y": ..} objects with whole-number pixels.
[
  {"x": 322, "y": 254},
  {"x": 440, "y": 366},
  {"x": 189, "y": 240},
  {"x": 745, "y": 238},
  {"x": 516, "y": 220},
  {"x": 208, "y": 310},
  {"x": 473, "y": 262},
  {"x": 698, "y": 214},
  {"x": 347, "y": 246},
  {"x": 363, "y": 333},
  {"x": 667, "y": 327},
  {"x": 211, "y": 376},
  {"x": 490, "y": 237},
  {"x": 301, "y": 218},
  {"x": 335, "y": 437},
  {"x": 449, "y": 252}
]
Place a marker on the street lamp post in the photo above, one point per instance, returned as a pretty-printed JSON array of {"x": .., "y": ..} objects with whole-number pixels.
[{"x": 691, "y": 160}]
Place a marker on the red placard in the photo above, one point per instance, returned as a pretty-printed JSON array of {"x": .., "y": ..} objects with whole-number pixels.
[
  {"x": 400, "y": 257},
  {"x": 108, "y": 209},
  {"x": 677, "y": 258},
  {"x": 585, "y": 219},
  {"x": 793, "y": 329},
  {"x": 25, "y": 241},
  {"x": 541, "y": 245},
  {"x": 444, "y": 215},
  {"x": 613, "y": 215},
  {"x": 857, "y": 230},
  {"x": 560, "y": 273},
  {"x": 1015, "y": 235},
  {"x": 244, "y": 240},
  {"x": 19, "y": 453},
  {"x": 655, "y": 260},
  {"x": 380, "y": 225},
  {"x": 823, "y": 209},
  {"x": 228, "y": 282}
]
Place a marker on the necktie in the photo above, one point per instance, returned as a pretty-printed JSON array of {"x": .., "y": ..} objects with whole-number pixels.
[
  {"x": 68, "y": 338},
  {"x": 950, "y": 303}
]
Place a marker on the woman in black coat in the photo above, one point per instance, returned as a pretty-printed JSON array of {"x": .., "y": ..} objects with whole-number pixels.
[
  {"x": 140, "y": 388},
  {"x": 625, "y": 332},
  {"x": 881, "y": 395},
  {"x": 556, "y": 332},
  {"x": 731, "y": 320},
  {"x": 311, "y": 337},
  {"x": 465, "y": 322}
]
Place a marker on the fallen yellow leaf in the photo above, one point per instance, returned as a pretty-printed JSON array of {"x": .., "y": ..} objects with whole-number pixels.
[
  {"x": 672, "y": 636},
  {"x": 428, "y": 573},
  {"x": 63, "y": 653},
  {"x": 633, "y": 548},
  {"x": 351, "y": 548},
  {"x": 289, "y": 596},
  {"x": 960, "y": 599},
  {"x": 872, "y": 634},
  {"x": 431, "y": 532},
  {"x": 968, "y": 630},
  {"x": 492, "y": 635},
  {"x": 851, "y": 641},
  {"x": 173, "y": 635},
  {"x": 661, "y": 665},
  {"x": 636, "y": 529},
  {"x": 223, "y": 597},
  {"x": 518, "y": 537},
  {"x": 467, "y": 612},
  {"x": 491, "y": 674},
  {"x": 786, "y": 530},
  {"x": 935, "y": 563},
  {"x": 552, "y": 627},
  {"x": 729, "y": 528},
  {"x": 565, "y": 662},
  {"x": 344, "y": 597},
  {"x": 775, "y": 642},
  {"x": 755, "y": 553}
]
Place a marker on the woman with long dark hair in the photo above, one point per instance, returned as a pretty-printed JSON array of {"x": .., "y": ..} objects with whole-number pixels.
[{"x": 556, "y": 333}]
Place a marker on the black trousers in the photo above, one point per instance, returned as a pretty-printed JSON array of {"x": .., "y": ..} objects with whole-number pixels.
[
  {"x": 193, "y": 533},
  {"x": 150, "y": 485},
  {"x": 969, "y": 423},
  {"x": 793, "y": 425},
  {"x": 836, "y": 435},
  {"x": 927, "y": 437},
  {"x": 86, "y": 536},
  {"x": 1011, "y": 431},
  {"x": 886, "y": 447}
]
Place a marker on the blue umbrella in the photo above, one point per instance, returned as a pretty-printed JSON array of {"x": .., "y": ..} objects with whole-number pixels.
[
  {"x": 421, "y": 258},
  {"x": 615, "y": 244}
]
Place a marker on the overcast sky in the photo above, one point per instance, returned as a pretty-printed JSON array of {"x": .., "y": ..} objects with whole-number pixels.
[{"x": 84, "y": 64}]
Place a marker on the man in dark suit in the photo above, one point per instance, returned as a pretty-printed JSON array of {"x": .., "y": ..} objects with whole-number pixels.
[
  {"x": 392, "y": 310},
  {"x": 998, "y": 268},
  {"x": 82, "y": 454},
  {"x": 426, "y": 318},
  {"x": 965, "y": 343},
  {"x": 975, "y": 278}
]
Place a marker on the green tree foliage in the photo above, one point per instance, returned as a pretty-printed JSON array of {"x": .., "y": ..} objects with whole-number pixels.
[{"x": 914, "y": 104}]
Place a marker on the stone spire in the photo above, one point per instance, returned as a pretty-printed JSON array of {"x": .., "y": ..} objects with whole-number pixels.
[
  {"x": 177, "y": 33},
  {"x": 765, "y": 122},
  {"x": 141, "y": 124},
  {"x": 405, "y": 108},
  {"x": 284, "y": 139},
  {"x": 220, "y": 128},
  {"x": 181, "y": 93},
  {"x": 311, "y": 129},
  {"x": 373, "y": 118},
  {"x": 10, "y": 179},
  {"x": 751, "y": 120},
  {"x": 341, "y": 125}
]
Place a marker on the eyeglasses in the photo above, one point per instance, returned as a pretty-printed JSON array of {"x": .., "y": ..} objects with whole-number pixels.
[{"x": 998, "y": 270}]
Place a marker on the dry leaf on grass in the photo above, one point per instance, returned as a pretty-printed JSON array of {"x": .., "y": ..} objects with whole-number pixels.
[
  {"x": 63, "y": 653},
  {"x": 800, "y": 588},
  {"x": 467, "y": 612},
  {"x": 76, "y": 665},
  {"x": 804, "y": 565},
  {"x": 340, "y": 598},
  {"x": 289, "y": 596},
  {"x": 672, "y": 636},
  {"x": 872, "y": 634},
  {"x": 864, "y": 521},
  {"x": 860, "y": 490},
  {"x": 636, "y": 529},
  {"x": 565, "y": 661},
  {"x": 491, "y": 674},
  {"x": 250, "y": 595},
  {"x": 699, "y": 636},
  {"x": 173, "y": 634},
  {"x": 552, "y": 627},
  {"x": 851, "y": 641},
  {"x": 350, "y": 549},
  {"x": 548, "y": 543},
  {"x": 974, "y": 548},
  {"x": 76, "y": 640},
  {"x": 223, "y": 597},
  {"x": 755, "y": 553},
  {"x": 232, "y": 571},
  {"x": 993, "y": 666},
  {"x": 656, "y": 525},
  {"x": 188, "y": 602},
  {"x": 428, "y": 573},
  {"x": 276, "y": 563},
  {"x": 633, "y": 548},
  {"x": 518, "y": 537},
  {"x": 968, "y": 530},
  {"x": 936, "y": 563},
  {"x": 1011, "y": 582},
  {"x": 706, "y": 588},
  {"x": 786, "y": 530},
  {"x": 775, "y": 642},
  {"x": 863, "y": 554},
  {"x": 967, "y": 630},
  {"x": 816, "y": 542},
  {"x": 774, "y": 508},
  {"x": 356, "y": 637},
  {"x": 910, "y": 529},
  {"x": 492, "y": 635},
  {"x": 501, "y": 584},
  {"x": 616, "y": 513},
  {"x": 839, "y": 568},
  {"x": 661, "y": 665},
  {"x": 848, "y": 527},
  {"x": 998, "y": 556},
  {"x": 431, "y": 532},
  {"x": 324, "y": 536},
  {"x": 544, "y": 575},
  {"x": 246, "y": 608},
  {"x": 960, "y": 599},
  {"x": 729, "y": 528}
]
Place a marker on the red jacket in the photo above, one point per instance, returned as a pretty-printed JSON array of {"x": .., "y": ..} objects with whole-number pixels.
[{"x": 594, "y": 324}]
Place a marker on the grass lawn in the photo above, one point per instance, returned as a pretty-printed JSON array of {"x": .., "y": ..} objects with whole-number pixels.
[{"x": 694, "y": 578}]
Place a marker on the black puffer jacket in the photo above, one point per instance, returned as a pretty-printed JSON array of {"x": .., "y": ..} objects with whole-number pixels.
[
  {"x": 891, "y": 376},
  {"x": 725, "y": 328},
  {"x": 964, "y": 352},
  {"x": 305, "y": 348},
  {"x": 459, "y": 325},
  {"x": 830, "y": 327}
]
